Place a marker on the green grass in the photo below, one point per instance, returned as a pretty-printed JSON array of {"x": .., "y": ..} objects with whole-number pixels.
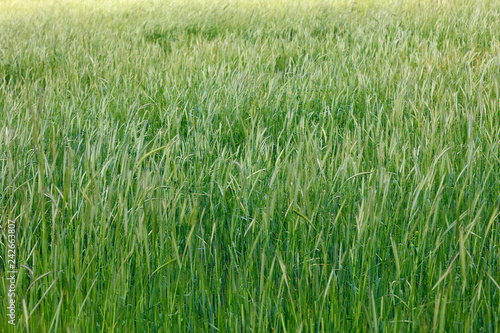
[{"x": 251, "y": 166}]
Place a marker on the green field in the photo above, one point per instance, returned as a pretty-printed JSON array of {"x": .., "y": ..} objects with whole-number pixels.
[{"x": 250, "y": 166}]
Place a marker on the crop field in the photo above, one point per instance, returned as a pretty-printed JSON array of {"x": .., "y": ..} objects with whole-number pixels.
[{"x": 249, "y": 166}]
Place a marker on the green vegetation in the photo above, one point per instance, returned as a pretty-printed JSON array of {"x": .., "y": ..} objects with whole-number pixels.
[{"x": 240, "y": 166}]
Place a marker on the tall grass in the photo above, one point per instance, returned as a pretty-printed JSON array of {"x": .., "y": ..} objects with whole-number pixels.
[{"x": 241, "y": 166}]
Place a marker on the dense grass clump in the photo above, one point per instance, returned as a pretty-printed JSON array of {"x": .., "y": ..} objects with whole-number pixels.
[{"x": 243, "y": 166}]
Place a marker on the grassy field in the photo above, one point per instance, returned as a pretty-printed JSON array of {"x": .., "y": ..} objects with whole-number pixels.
[{"x": 241, "y": 166}]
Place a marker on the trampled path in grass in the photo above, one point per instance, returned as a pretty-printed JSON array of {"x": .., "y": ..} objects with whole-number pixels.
[{"x": 240, "y": 166}]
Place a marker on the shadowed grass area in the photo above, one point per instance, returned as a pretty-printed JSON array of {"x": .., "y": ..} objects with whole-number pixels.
[{"x": 238, "y": 166}]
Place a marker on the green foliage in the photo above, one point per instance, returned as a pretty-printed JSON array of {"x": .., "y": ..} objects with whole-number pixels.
[{"x": 241, "y": 166}]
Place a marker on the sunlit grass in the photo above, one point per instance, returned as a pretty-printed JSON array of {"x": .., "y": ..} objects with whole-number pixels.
[{"x": 240, "y": 166}]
